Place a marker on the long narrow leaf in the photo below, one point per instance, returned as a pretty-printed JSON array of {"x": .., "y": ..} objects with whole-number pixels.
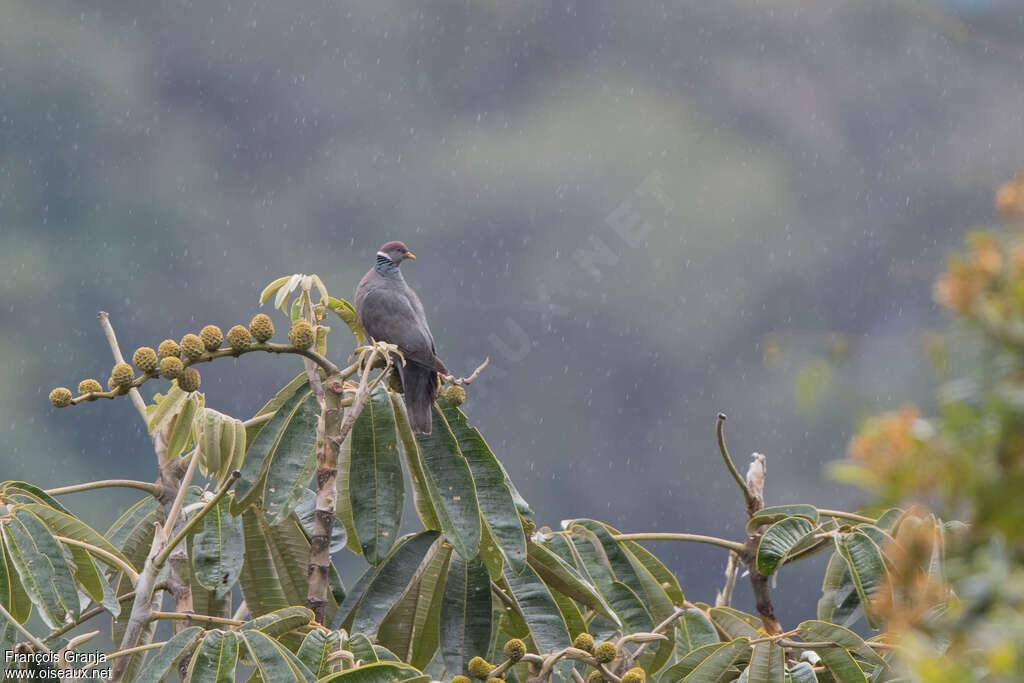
[{"x": 466, "y": 614}]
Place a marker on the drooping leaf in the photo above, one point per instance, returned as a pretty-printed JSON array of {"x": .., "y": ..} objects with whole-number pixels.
[
  {"x": 558, "y": 574},
  {"x": 495, "y": 499},
  {"x": 634, "y": 616},
  {"x": 538, "y": 608},
  {"x": 271, "y": 406},
  {"x": 209, "y": 432},
  {"x": 816, "y": 631},
  {"x": 315, "y": 650},
  {"x": 802, "y": 672},
  {"x": 168, "y": 406},
  {"x": 280, "y": 621},
  {"x": 451, "y": 487},
  {"x": 271, "y": 289},
  {"x": 343, "y": 501},
  {"x": 694, "y": 630},
  {"x": 376, "y": 484},
  {"x": 777, "y": 542},
  {"x": 378, "y": 672},
  {"x": 666, "y": 579},
  {"x": 41, "y": 566},
  {"x": 12, "y": 594},
  {"x": 292, "y": 463},
  {"x": 767, "y": 663},
  {"x": 841, "y": 665},
  {"x": 132, "y": 532},
  {"x": 775, "y": 513},
  {"x": 839, "y": 600},
  {"x": 376, "y": 593},
  {"x": 864, "y": 561},
  {"x": 181, "y": 431},
  {"x": 261, "y": 586},
  {"x": 411, "y": 627},
  {"x": 413, "y": 463},
  {"x": 261, "y": 451},
  {"x": 735, "y": 623},
  {"x": 724, "y": 655},
  {"x": 22, "y": 492},
  {"x": 215, "y": 659},
  {"x": 466, "y": 614},
  {"x": 218, "y": 550},
  {"x": 305, "y": 511},
  {"x": 273, "y": 660},
  {"x": 167, "y": 657}
]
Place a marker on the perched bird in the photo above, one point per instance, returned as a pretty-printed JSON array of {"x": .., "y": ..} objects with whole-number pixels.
[{"x": 390, "y": 311}]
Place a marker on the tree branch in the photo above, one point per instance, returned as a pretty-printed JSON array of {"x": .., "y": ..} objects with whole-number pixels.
[{"x": 720, "y": 434}]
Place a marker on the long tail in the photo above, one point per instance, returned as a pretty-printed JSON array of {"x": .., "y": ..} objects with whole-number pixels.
[{"x": 420, "y": 386}]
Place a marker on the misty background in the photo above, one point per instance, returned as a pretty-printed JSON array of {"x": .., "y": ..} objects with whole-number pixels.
[{"x": 644, "y": 213}]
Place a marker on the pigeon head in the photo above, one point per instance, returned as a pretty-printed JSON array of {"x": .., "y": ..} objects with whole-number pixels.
[{"x": 395, "y": 252}]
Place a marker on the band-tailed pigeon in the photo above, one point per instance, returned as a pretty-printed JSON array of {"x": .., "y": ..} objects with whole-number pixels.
[{"x": 390, "y": 311}]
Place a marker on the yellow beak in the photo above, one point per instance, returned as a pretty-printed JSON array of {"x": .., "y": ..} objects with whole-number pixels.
[{"x": 410, "y": 255}]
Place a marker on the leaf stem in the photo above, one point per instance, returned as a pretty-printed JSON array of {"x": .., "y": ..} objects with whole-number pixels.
[
  {"x": 105, "y": 483},
  {"x": 196, "y": 518},
  {"x": 853, "y": 516},
  {"x": 748, "y": 498},
  {"x": 201, "y": 618},
  {"x": 694, "y": 538}
]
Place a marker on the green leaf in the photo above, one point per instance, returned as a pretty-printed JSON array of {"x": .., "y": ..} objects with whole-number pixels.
[
  {"x": 12, "y": 594},
  {"x": 413, "y": 463},
  {"x": 864, "y": 560},
  {"x": 343, "y": 501},
  {"x": 272, "y": 288},
  {"x": 261, "y": 586},
  {"x": 630, "y": 571},
  {"x": 466, "y": 614},
  {"x": 315, "y": 650},
  {"x": 279, "y": 622},
  {"x": 274, "y": 662},
  {"x": 570, "y": 613},
  {"x": 815, "y": 541},
  {"x": 23, "y": 492},
  {"x": 495, "y": 499},
  {"x": 839, "y": 600},
  {"x": 132, "y": 532},
  {"x": 44, "y": 573},
  {"x": 411, "y": 628},
  {"x": 771, "y": 515},
  {"x": 451, "y": 487},
  {"x": 538, "y": 609},
  {"x": 305, "y": 511},
  {"x": 215, "y": 659},
  {"x": 378, "y": 672},
  {"x": 286, "y": 541},
  {"x": 64, "y": 524},
  {"x": 490, "y": 553},
  {"x": 261, "y": 451},
  {"x": 167, "y": 657},
  {"x": 218, "y": 549},
  {"x": 630, "y": 610},
  {"x": 735, "y": 623},
  {"x": 816, "y": 631},
  {"x": 168, "y": 406},
  {"x": 181, "y": 431},
  {"x": 668, "y": 581},
  {"x": 292, "y": 462},
  {"x": 716, "y": 664},
  {"x": 8, "y": 637},
  {"x": 379, "y": 589},
  {"x": 555, "y": 572},
  {"x": 376, "y": 484},
  {"x": 209, "y": 433},
  {"x": 347, "y": 313},
  {"x": 841, "y": 665},
  {"x": 777, "y": 542},
  {"x": 802, "y": 672},
  {"x": 271, "y": 406},
  {"x": 361, "y": 648},
  {"x": 689, "y": 662},
  {"x": 767, "y": 663},
  {"x": 694, "y": 630}
]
